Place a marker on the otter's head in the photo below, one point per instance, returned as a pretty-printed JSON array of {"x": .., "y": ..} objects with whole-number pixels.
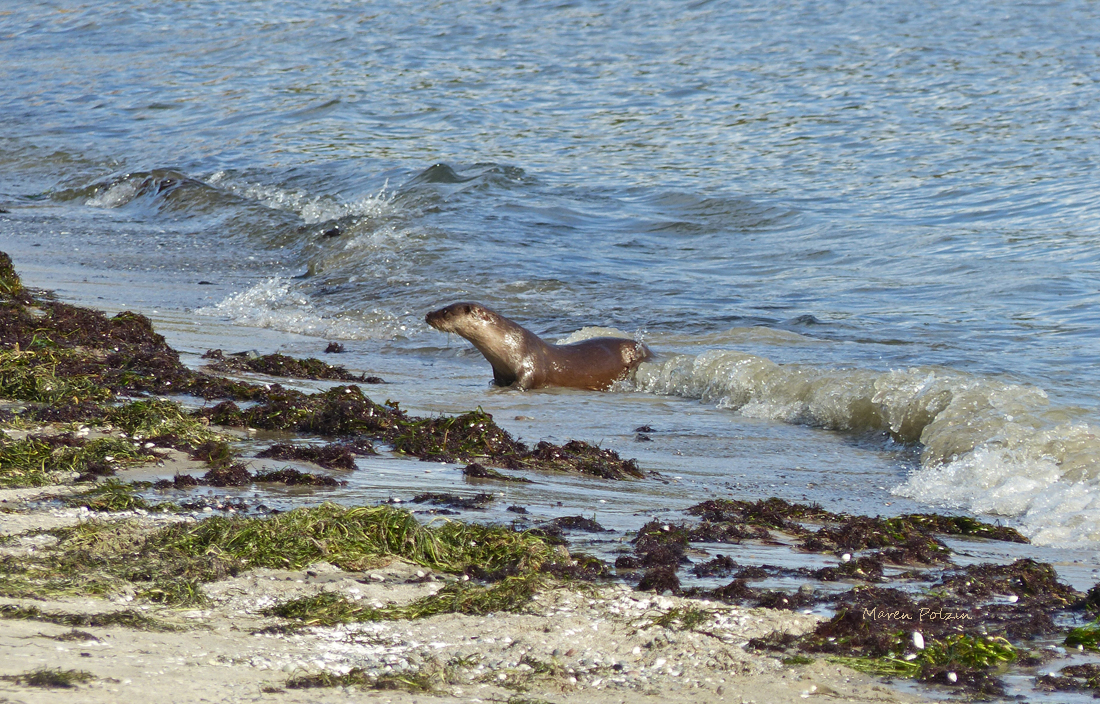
[{"x": 461, "y": 318}]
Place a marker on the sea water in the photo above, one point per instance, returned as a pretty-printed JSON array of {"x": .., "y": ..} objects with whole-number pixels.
[{"x": 860, "y": 237}]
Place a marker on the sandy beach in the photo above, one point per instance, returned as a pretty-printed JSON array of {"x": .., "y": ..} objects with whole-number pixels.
[{"x": 592, "y": 644}]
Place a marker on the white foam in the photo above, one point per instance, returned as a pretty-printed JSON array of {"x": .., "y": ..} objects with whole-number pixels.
[
  {"x": 278, "y": 305},
  {"x": 989, "y": 446},
  {"x": 114, "y": 196},
  {"x": 311, "y": 208}
]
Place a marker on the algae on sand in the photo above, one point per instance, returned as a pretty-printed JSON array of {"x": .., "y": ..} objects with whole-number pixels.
[
  {"x": 170, "y": 564},
  {"x": 51, "y": 678}
]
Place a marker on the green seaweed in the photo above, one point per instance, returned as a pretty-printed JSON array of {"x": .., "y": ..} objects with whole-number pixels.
[
  {"x": 1087, "y": 636},
  {"x": 125, "y": 619},
  {"x": 416, "y": 682},
  {"x": 51, "y": 678},
  {"x": 329, "y": 608},
  {"x": 683, "y": 619},
  {"x": 37, "y": 460},
  {"x": 111, "y": 495}
]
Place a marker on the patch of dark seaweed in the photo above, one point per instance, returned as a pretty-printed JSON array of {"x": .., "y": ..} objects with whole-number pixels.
[
  {"x": 580, "y": 457},
  {"x": 292, "y": 477},
  {"x": 1072, "y": 678},
  {"x": 960, "y": 525},
  {"x": 330, "y": 456},
  {"x": 776, "y": 641},
  {"x": 51, "y": 678},
  {"x": 671, "y": 555},
  {"x": 867, "y": 568},
  {"x": 11, "y": 287},
  {"x": 736, "y": 592},
  {"x": 128, "y": 618},
  {"x": 659, "y": 579},
  {"x": 627, "y": 562},
  {"x": 1091, "y": 600},
  {"x": 283, "y": 366},
  {"x": 1035, "y": 583},
  {"x": 909, "y": 544},
  {"x": 340, "y": 411},
  {"x": 179, "y": 481},
  {"x": 477, "y": 471},
  {"x": 868, "y": 622},
  {"x": 767, "y": 513},
  {"x": 477, "y": 501},
  {"x": 582, "y": 567},
  {"x": 232, "y": 475},
  {"x": 578, "y": 523},
  {"x": 657, "y": 534},
  {"x": 789, "y": 601},
  {"x": 720, "y": 566}
]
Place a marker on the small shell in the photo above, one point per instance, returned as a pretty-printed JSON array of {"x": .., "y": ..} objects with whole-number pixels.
[
  {"x": 918, "y": 640},
  {"x": 952, "y": 677}
]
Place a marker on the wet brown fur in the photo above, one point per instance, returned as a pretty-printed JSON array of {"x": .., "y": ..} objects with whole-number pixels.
[{"x": 520, "y": 359}]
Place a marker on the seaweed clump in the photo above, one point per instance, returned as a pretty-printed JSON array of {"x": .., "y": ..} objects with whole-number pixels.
[
  {"x": 51, "y": 678},
  {"x": 1072, "y": 678},
  {"x": 170, "y": 564},
  {"x": 284, "y": 366},
  {"x": 331, "y": 456}
]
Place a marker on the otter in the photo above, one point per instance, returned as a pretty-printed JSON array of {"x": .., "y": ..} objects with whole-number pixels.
[{"x": 521, "y": 360}]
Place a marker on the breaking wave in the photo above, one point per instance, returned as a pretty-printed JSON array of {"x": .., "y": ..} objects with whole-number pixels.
[{"x": 987, "y": 445}]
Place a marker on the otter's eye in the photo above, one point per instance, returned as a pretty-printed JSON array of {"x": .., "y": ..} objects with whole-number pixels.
[{"x": 468, "y": 309}]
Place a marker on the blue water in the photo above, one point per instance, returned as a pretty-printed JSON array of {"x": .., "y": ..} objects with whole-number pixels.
[{"x": 871, "y": 218}]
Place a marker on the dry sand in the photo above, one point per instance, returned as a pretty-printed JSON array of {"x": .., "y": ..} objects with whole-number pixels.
[{"x": 601, "y": 645}]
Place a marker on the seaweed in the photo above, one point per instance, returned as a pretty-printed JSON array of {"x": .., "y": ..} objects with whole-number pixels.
[
  {"x": 1034, "y": 583},
  {"x": 908, "y": 543},
  {"x": 687, "y": 618},
  {"x": 1084, "y": 677},
  {"x": 580, "y": 523},
  {"x": 417, "y": 682},
  {"x": 292, "y": 477},
  {"x": 128, "y": 618},
  {"x": 37, "y": 460},
  {"x": 1086, "y": 637},
  {"x": 11, "y": 287},
  {"x": 660, "y": 579},
  {"x": 453, "y": 500},
  {"x": 112, "y": 495},
  {"x": 766, "y": 513},
  {"x": 719, "y": 566},
  {"x": 331, "y": 456},
  {"x": 283, "y": 366},
  {"x": 51, "y": 678},
  {"x": 477, "y": 471},
  {"x": 170, "y": 564}
]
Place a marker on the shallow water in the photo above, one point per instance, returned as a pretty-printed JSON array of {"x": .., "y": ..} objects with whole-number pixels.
[{"x": 835, "y": 222}]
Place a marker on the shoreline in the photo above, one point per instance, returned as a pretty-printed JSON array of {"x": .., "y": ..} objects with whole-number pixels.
[
  {"x": 613, "y": 643},
  {"x": 216, "y": 647}
]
